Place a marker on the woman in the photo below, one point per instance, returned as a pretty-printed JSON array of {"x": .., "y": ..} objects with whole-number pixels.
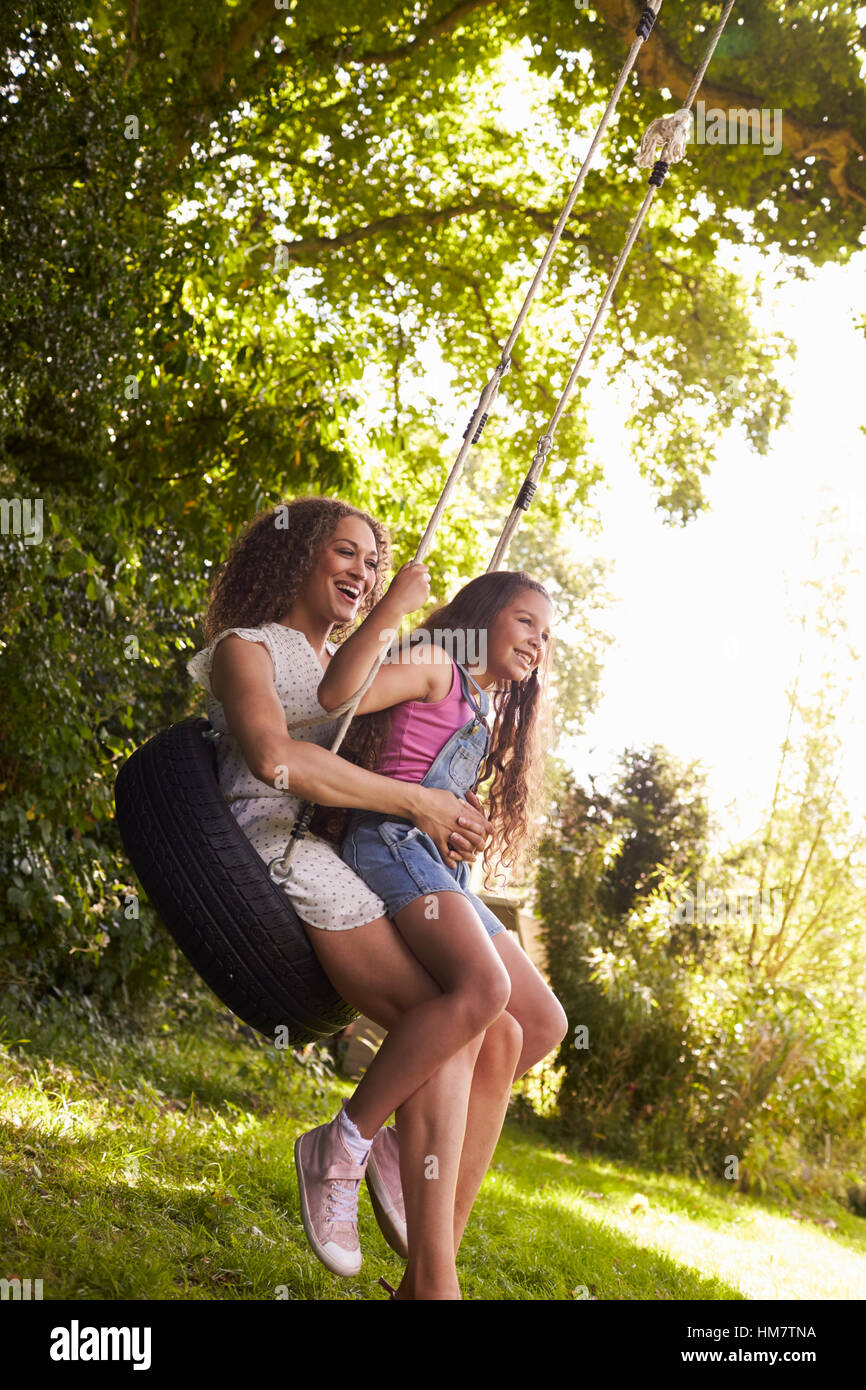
[{"x": 298, "y": 575}]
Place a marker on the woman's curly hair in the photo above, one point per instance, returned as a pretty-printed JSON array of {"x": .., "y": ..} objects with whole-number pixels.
[
  {"x": 268, "y": 566},
  {"x": 519, "y": 709},
  {"x": 272, "y": 558},
  {"x": 266, "y": 569}
]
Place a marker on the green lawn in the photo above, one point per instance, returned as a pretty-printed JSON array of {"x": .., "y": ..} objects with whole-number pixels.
[{"x": 143, "y": 1167}]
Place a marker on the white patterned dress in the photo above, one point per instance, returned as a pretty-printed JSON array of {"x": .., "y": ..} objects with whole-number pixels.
[{"x": 324, "y": 891}]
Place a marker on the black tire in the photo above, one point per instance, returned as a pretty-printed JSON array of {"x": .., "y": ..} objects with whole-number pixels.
[{"x": 214, "y": 893}]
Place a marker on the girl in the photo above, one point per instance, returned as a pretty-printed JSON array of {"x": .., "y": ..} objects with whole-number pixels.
[
  {"x": 299, "y": 574},
  {"x": 504, "y": 618},
  {"x": 433, "y": 731}
]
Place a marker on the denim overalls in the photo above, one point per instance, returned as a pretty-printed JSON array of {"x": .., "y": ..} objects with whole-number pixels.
[{"x": 395, "y": 858}]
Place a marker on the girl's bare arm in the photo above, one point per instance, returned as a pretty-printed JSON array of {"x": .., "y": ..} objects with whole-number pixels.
[
  {"x": 421, "y": 672},
  {"x": 242, "y": 679}
]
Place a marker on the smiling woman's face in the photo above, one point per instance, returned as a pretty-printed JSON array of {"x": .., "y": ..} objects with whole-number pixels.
[{"x": 344, "y": 573}]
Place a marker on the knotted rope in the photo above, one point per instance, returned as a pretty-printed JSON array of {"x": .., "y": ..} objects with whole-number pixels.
[
  {"x": 280, "y": 868},
  {"x": 671, "y": 132}
]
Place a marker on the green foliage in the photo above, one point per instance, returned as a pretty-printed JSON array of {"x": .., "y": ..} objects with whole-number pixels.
[
  {"x": 231, "y": 238},
  {"x": 165, "y": 1147},
  {"x": 664, "y": 813},
  {"x": 700, "y": 1049}
]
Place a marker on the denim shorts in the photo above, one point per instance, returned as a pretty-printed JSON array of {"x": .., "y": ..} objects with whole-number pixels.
[{"x": 400, "y": 863}]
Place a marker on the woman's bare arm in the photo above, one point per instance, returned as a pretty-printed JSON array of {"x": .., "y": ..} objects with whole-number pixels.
[{"x": 242, "y": 679}]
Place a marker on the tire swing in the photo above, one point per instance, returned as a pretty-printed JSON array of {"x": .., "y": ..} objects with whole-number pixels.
[
  {"x": 226, "y": 908},
  {"x": 213, "y": 891}
]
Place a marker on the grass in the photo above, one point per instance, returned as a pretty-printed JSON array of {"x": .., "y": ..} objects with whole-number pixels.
[{"x": 160, "y": 1166}]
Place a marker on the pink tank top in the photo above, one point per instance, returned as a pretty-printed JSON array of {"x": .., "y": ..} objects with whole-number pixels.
[{"x": 419, "y": 731}]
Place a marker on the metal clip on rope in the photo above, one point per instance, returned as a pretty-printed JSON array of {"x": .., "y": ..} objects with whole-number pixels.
[
  {"x": 542, "y": 449},
  {"x": 645, "y": 23},
  {"x": 280, "y": 869}
]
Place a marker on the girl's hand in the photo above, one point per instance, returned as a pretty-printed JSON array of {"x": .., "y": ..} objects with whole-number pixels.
[
  {"x": 473, "y": 801},
  {"x": 409, "y": 589},
  {"x": 457, "y": 828}
]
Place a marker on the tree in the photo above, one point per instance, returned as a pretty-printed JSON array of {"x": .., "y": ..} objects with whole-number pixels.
[
  {"x": 230, "y": 234},
  {"x": 663, "y": 809},
  {"x": 618, "y": 964},
  {"x": 739, "y": 1034},
  {"x": 807, "y": 850}
]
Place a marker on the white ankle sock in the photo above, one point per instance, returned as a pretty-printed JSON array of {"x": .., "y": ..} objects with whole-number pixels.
[{"x": 358, "y": 1146}]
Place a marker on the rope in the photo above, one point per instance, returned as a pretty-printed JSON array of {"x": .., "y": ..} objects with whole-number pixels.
[
  {"x": 482, "y": 411},
  {"x": 671, "y": 132},
  {"x": 280, "y": 868},
  {"x": 488, "y": 395}
]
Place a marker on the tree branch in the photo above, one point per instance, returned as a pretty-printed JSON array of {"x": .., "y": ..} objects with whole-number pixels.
[
  {"x": 259, "y": 14},
  {"x": 659, "y": 64},
  {"x": 315, "y": 247},
  {"x": 775, "y": 942},
  {"x": 132, "y": 55},
  {"x": 425, "y": 34},
  {"x": 811, "y": 924}
]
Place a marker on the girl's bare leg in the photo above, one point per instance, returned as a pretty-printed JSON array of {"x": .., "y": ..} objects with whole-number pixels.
[
  {"x": 384, "y": 982},
  {"x": 532, "y": 1002},
  {"x": 488, "y": 1101},
  {"x": 540, "y": 1024}
]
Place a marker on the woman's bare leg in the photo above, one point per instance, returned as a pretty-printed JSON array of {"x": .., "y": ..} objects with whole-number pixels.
[
  {"x": 467, "y": 988},
  {"x": 431, "y": 1125},
  {"x": 385, "y": 982}
]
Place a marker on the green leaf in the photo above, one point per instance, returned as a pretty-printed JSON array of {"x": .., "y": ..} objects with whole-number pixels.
[{"x": 72, "y": 562}]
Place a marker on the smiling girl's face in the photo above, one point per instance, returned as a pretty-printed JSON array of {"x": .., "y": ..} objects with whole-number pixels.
[{"x": 518, "y": 636}]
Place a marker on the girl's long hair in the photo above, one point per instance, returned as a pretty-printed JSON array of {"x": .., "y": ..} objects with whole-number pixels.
[{"x": 514, "y": 759}]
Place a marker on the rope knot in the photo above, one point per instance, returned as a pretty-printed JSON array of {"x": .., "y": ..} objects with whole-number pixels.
[
  {"x": 671, "y": 132},
  {"x": 542, "y": 448}
]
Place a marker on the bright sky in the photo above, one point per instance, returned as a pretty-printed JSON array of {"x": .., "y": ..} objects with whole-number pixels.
[{"x": 705, "y": 630}]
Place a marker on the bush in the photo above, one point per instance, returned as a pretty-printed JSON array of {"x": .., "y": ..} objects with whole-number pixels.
[{"x": 678, "y": 1053}]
